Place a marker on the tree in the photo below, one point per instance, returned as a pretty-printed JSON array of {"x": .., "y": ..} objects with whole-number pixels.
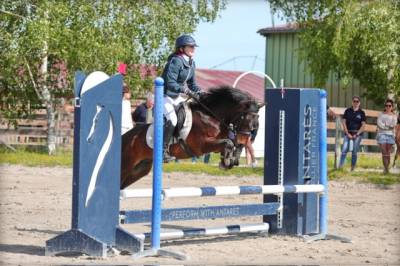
[
  {"x": 43, "y": 42},
  {"x": 356, "y": 39}
]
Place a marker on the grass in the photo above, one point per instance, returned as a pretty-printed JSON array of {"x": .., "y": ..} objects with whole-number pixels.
[
  {"x": 35, "y": 157},
  {"x": 211, "y": 169},
  {"x": 369, "y": 167}
]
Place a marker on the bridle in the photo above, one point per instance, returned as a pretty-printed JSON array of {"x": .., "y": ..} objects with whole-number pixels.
[{"x": 238, "y": 121}]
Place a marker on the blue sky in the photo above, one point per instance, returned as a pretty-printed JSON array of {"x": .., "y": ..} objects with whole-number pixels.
[{"x": 234, "y": 34}]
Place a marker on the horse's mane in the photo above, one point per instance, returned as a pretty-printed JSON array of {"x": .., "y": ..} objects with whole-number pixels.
[{"x": 225, "y": 97}]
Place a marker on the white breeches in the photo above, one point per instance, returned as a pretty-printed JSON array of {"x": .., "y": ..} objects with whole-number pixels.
[{"x": 169, "y": 110}]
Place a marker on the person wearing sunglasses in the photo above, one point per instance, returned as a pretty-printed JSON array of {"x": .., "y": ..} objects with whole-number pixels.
[
  {"x": 353, "y": 124},
  {"x": 179, "y": 77},
  {"x": 386, "y": 124}
]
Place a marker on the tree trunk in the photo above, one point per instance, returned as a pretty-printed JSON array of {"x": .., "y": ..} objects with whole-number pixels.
[
  {"x": 51, "y": 129},
  {"x": 48, "y": 101}
]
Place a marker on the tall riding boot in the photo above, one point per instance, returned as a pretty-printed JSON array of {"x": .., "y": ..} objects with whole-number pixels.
[{"x": 168, "y": 133}]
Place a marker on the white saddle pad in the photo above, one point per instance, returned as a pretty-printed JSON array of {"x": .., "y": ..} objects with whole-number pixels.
[{"x": 183, "y": 134}]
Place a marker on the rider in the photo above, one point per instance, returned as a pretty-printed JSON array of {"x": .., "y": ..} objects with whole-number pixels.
[{"x": 179, "y": 77}]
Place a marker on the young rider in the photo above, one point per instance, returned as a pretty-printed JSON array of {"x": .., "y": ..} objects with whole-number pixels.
[{"x": 179, "y": 77}]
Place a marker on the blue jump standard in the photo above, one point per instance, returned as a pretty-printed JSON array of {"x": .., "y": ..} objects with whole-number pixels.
[{"x": 201, "y": 213}]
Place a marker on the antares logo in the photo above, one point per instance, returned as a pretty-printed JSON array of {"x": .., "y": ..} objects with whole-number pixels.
[{"x": 310, "y": 143}]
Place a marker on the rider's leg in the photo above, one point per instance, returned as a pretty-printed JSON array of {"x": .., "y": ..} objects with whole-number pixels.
[
  {"x": 168, "y": 133},
  {"x": 169, "y": 126}
]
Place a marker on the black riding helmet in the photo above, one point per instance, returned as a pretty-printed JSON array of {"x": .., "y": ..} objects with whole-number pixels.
[{"x": 185, "y": 40}]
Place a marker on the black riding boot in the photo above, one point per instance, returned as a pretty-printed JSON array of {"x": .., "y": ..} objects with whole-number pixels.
[{"x": 168, "y": 133}]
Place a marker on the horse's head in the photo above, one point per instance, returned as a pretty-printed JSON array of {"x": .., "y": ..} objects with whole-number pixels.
[
  {"x": 232, "y": 106},
  {"x": 247, "y": 120}
]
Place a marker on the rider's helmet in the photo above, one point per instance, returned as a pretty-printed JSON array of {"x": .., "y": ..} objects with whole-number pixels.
[{"x": 185, "y": 39}]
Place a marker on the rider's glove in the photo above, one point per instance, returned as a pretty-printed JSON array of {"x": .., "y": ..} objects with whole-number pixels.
[{"x": 192, "y": 94}]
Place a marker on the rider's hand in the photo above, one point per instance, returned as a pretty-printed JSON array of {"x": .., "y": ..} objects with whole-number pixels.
[{"x": 192, "y": 94}]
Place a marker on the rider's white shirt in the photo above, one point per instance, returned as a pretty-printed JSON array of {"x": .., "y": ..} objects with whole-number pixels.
[{"x": 126, "y": 116}]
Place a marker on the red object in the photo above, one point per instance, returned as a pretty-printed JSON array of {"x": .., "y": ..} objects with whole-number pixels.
[{"x": 122, "y": 68}]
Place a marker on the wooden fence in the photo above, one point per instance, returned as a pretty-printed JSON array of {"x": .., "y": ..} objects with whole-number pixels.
[{"x": 34, "y": 131}]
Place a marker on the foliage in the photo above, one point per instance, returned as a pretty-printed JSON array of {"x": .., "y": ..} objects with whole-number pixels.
[
  {"x": 356, "y": 39},
  {"x": 85, "y": 35},
  {"x": 43, "y": 42}
]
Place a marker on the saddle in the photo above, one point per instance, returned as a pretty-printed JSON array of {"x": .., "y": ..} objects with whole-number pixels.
[{"x": 183, "y": 126}]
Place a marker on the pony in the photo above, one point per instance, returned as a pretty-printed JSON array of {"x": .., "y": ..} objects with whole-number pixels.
[{"x": 212, "y": 115}]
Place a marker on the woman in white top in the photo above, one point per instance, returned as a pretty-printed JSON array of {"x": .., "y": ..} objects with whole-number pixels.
[{"x": 385, "y": 137}]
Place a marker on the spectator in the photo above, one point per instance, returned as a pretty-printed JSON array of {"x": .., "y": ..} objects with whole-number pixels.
[
  {"x": 353, "y": 126},
  {"x": 126, "y": 119},
  {"x": 144, "y": 112},
  {"x": 385, "y": 137},
  {"x": 251, "y": 159},
  {"x": 397, "y": 139},
  {"x": 207, "y": 158}
]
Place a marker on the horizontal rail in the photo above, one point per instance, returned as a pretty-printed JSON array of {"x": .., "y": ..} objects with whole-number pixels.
[
  {"x": 222, "y": 191},
  {"x": 196, "y": 232},
  {"x": 200, "y": 213}
]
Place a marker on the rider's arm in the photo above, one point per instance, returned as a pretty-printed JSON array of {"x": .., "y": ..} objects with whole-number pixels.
[
  {"x": 172, "y": 73},
  {"x": 191, "y": 82}
]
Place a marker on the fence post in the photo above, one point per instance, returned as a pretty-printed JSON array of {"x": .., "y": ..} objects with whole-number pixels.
[
  {"x": 337, "y": 141},
  {"x": 157, "y": 178},
  {"x": 323, "y": 161}
]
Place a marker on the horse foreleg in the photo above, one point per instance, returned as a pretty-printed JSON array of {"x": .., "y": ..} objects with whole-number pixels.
[
  {"x": 238, "y": 151},
  {"x": 217, "y": 145},
  {"x": 225, "y": 147}
]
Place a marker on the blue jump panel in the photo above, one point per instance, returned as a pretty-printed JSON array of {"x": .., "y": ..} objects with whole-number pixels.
[{"x": 201, "y": 213}]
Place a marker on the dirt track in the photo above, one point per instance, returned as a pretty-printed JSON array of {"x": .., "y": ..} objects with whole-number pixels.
[{"x": 36, "y": 206}]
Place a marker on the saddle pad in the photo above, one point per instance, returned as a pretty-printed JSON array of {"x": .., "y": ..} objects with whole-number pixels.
[{"x": 183, "y": 133}]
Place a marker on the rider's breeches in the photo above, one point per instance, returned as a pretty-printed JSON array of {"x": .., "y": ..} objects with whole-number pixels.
[{"x": 169, "y": 108}]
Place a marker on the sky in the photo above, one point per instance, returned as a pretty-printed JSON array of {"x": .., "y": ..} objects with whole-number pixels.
[{"x": 234, "y": 34}]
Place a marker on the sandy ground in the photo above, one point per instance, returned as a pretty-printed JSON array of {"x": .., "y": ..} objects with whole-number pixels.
[{"x": 36, "y": 206}]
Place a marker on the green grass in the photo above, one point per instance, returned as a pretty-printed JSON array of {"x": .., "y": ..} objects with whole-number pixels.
[
  {"x": 369, "y": 167},
  {"x": 211, "y": 169},
  {"x": 364, "y": 176},
  {"x": 29, "y": 157}
]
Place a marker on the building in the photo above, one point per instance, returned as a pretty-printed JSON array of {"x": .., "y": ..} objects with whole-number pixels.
[{"x": 282, "y": 61}]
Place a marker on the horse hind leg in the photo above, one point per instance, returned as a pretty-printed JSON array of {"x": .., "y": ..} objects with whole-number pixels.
[{"x": 141, "y": 169}]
